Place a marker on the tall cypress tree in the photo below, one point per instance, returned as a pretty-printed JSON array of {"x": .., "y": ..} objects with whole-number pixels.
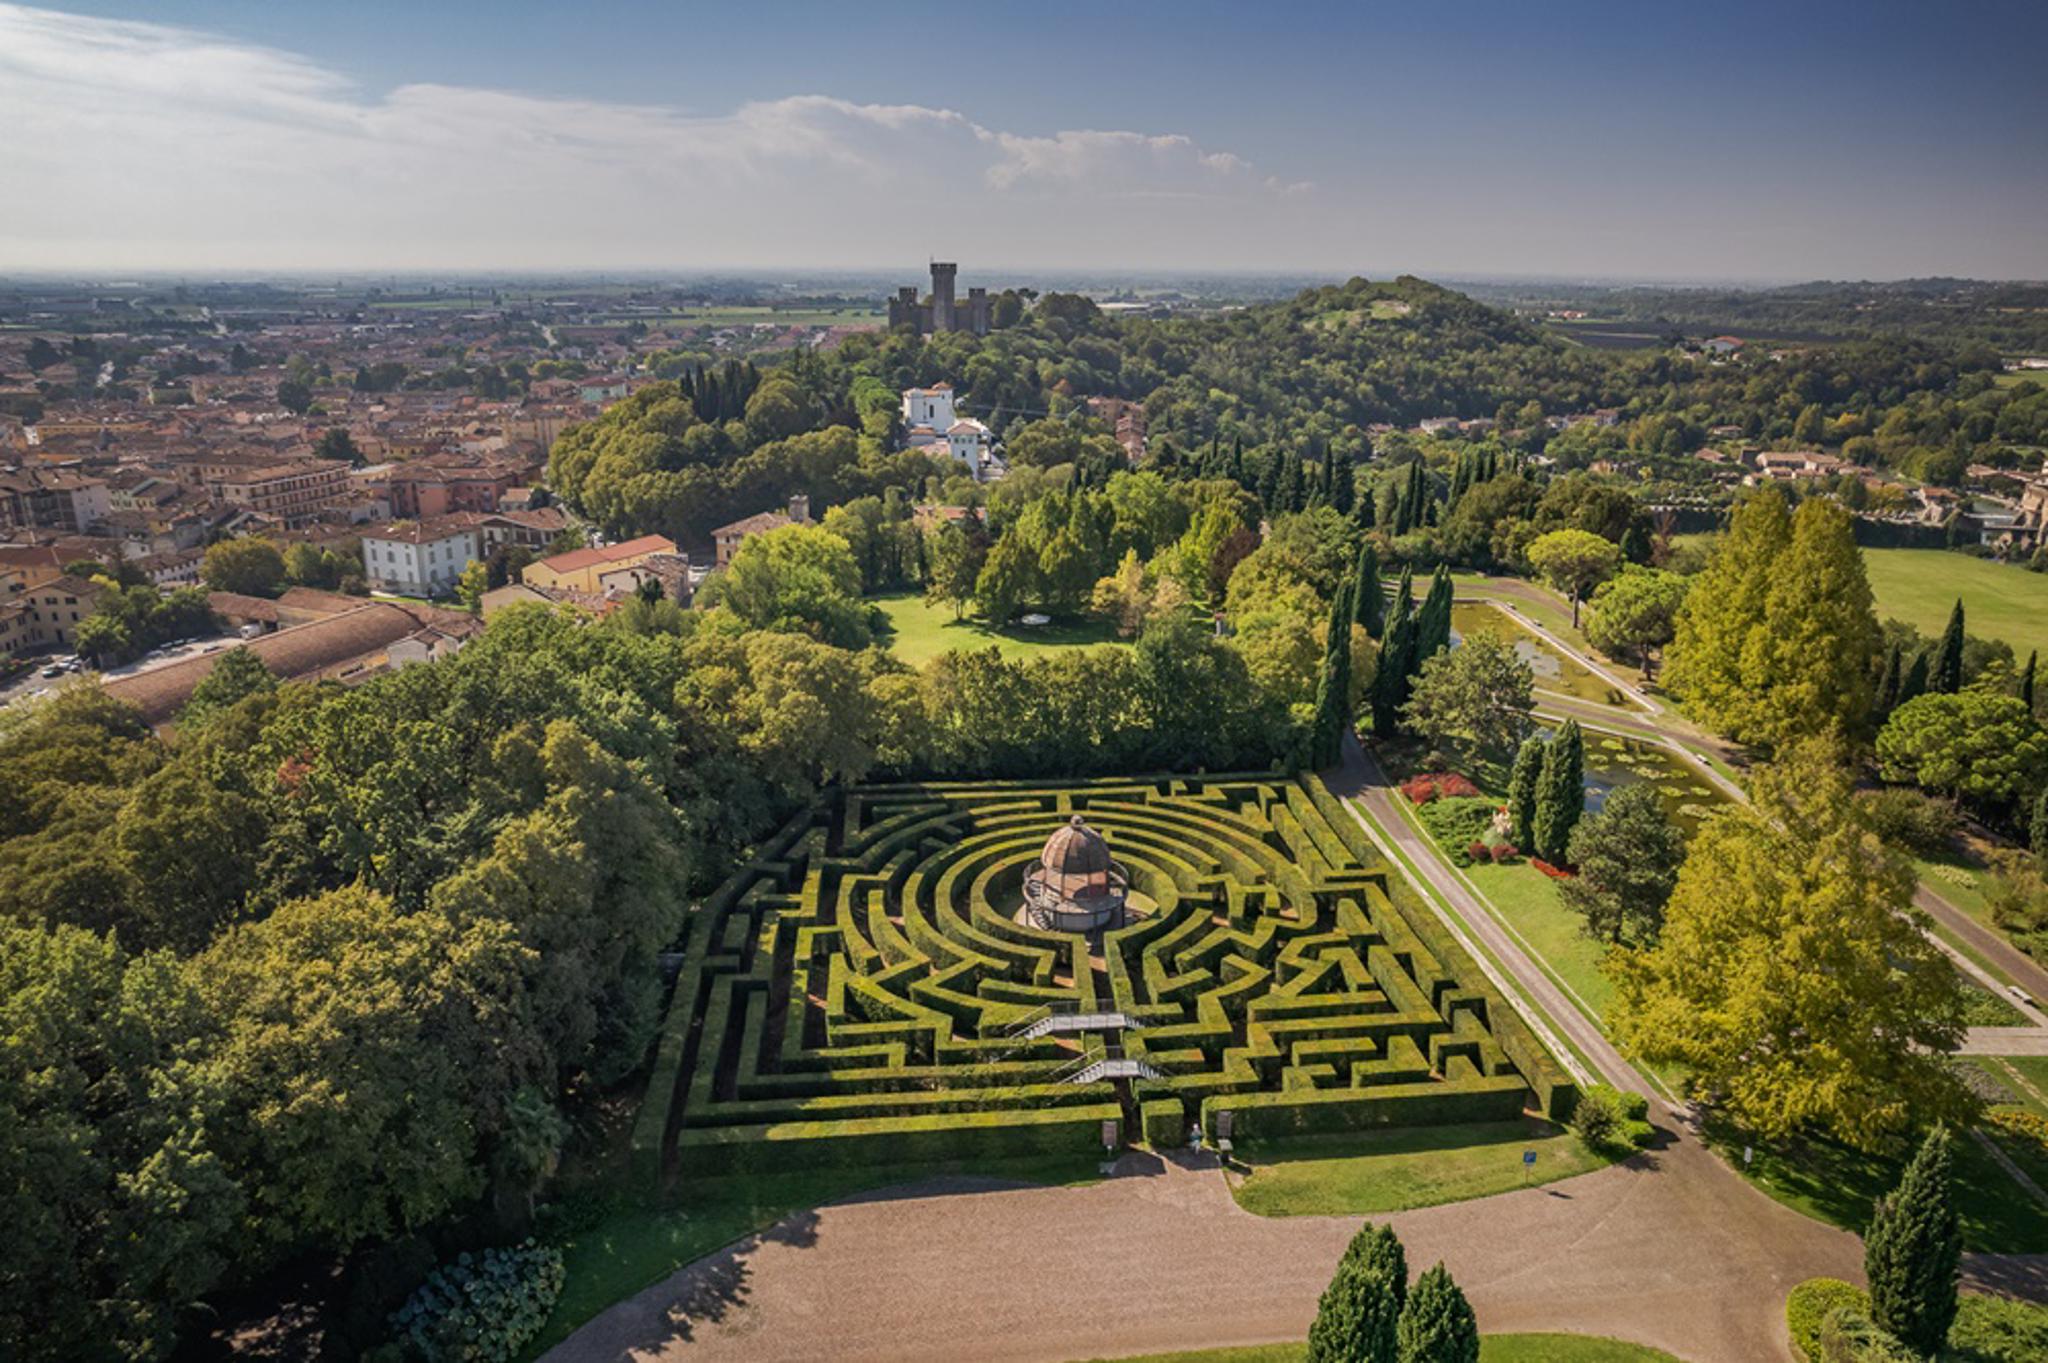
[
  {"x": 1237, "y": 461},
  {"x": 1914, "y": 683},
  {"x": 1397, "y": 648},
  {"x": 2037, "y": 835},
  {"x": 1560, "y": 793},
  {"x": 1333, "y": 691},
  {"x": 1356, "y": 1319},
  {"x": 1522, "y": 783},
  {"x": 1433, "y": 622},
  {"x": 1437, "y": 1324},
  {"x": 1888, "y": 687},
  {"x": 1269, "y": 483},
  {"x": 1913, "y": 1252},
  {"x": 1418, "y": 493},
  {"x": 1948, "y": 658},
  {"x": 2027, "y": 680},
  {"x": 1343, "y": 484},
  {"x": 1367, "y": 598}
]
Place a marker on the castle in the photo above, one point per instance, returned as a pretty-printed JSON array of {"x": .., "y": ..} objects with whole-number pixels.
[{"x": 942, "y": 313}]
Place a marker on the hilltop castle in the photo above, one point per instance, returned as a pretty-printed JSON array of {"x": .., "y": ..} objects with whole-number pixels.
[{"x": 942, "y": 313}]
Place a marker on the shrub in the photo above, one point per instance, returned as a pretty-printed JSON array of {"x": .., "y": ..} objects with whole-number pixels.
[
  {"x": 1999, "y": 1330},
  {"x": 1438, "y": 785},
  {"x": 1506, "y": 852},
  {"x": 1806, "y": 1310},
  {"x": 1608, "y": 1120},
  {"x": 1847, "y": 1335},
  {"x": 1908, "y": 819},
  {"x": 2019, "y": 1124},
  {"x": 1554, "y": 872},
  {"x": 483, "y": 1307},
  {"x": 1479, "y": 851}
]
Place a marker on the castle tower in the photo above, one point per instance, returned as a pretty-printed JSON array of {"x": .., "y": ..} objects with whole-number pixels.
[{"x": 942, "y": 295}]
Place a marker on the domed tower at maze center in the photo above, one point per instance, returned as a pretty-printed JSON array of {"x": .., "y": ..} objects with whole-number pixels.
[{"x": 1075, "y": 885}]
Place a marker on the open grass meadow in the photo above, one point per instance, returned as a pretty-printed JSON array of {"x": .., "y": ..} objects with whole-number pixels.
[
  {"x": 1367, "y": 1172},
  {"x": 918, "y": 632},
  {"x": 2000, "y": 600}
]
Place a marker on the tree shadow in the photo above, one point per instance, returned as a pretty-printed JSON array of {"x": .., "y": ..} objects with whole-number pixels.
[{"x": 712, "y": 1290}]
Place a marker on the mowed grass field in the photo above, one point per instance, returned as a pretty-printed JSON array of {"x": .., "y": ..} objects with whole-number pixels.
[
  {"x": 918, "y": 632},
  {"x": 2000, "y": 600}
]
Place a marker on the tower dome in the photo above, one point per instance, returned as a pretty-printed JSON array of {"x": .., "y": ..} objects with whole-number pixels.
[{"x": 1076, "y": 885}]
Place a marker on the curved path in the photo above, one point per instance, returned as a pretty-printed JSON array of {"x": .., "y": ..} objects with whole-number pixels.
[{"x": 1670, "y": 1249}]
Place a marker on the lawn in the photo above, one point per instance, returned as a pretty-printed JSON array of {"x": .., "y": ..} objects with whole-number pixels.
[
  {"x": 1492, "y": 1349},
  {"x": 1365, "y": 1172},
  {"x": 2025, "y": 1077},
  {"x": 1528, "y": 901},
  {"x": 1554, "y": 671},
  {"x": 918, "y": 631},
  {"x": 634, "y": 1247},
  {"x": 1838, "y": 1185},
  {"x": 2000, "y": 600}
]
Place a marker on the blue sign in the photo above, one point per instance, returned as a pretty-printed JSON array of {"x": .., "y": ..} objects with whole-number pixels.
[{"x": 1528, "y": 1157}]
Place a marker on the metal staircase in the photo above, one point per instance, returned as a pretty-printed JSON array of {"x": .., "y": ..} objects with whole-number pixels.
[
  {"x": 1110, "y": 1064},
  {"x": 1051, "y": 1021}
]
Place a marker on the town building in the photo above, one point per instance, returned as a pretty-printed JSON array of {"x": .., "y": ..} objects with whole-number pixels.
[
  {"x": 53, "y": 499},
  {"x": 292, "y": 492},
  {"x": 579, "y": 570},
  {"x": 941, "y": 312},
  {"x": 726, "y": 539},
  {"x": 57, "y": 607},
  {"x": 420, "y": 558}
]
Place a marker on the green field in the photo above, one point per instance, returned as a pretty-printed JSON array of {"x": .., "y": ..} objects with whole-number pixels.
[
  {"x": 1384, "y": 1171},
  {"x": 2000, "y": 600},
  {"x": 1555, "y": 672},
  {"x": 918, "y": 632}
]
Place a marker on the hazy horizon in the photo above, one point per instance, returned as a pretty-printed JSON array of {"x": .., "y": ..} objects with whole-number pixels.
[{"x": 1589, "y": 144}]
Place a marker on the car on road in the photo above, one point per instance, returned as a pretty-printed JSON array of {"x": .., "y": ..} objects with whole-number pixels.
[
  {"x": 2020, "y": 995},
  {"x": 54, "y": 670}
]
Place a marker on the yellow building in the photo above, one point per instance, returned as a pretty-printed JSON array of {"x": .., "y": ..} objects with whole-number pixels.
[{"x": 579, "y": 569}]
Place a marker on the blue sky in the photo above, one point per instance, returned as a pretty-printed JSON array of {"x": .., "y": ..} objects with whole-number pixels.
[{"x": 1718, "y": 141}]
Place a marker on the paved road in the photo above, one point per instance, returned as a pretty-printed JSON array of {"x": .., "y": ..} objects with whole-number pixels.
[
  {"x": 1160, "y": 1258},
  {"x": 2006, "y": 1041}
]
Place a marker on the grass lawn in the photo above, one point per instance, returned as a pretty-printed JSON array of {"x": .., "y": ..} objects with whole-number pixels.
[
  {"x": 1554, "y": 671},
  {"x": 1492, "y": 1349},
  {"x": 635, "y": 1247},
  {"x": 1528, "y": 900},
  {"x": 2000, "y": 600},
  {"x": 1838, "y": 1185},
  {"x": 2031, "y": 1069},
  {"x": 1388, "y": 1171},
  {"x": 918, "y": 632}
]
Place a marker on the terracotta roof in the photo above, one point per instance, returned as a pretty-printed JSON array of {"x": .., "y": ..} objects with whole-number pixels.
[
  {"x": 755, "y": 524},
  {"x": 236, "y": 605},
  {"x": 311, "y": 599},
  {"x": 425, "y": 532},
  {"x": 71, "y": 586},
  {"x": 575, "y": 560}
]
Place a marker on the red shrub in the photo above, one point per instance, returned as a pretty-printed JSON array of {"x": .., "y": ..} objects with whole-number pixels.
[
  {"x": 1554, "y": 872},
  {"x": 1436, "y": 785},
  {"x": 1479, "y": 851},
  {"x": 1450, "y": 784},
  {"x": 1420, "y": 790},
  {"x": 1506, "y": 852}
]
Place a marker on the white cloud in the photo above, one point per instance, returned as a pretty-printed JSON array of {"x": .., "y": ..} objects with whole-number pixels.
[{"x": 148, "y": 145}]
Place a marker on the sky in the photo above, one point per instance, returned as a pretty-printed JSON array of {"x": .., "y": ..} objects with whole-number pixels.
[{"x": 1730, "y": 141}]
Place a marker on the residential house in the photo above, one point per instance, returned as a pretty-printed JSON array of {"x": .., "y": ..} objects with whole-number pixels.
[
  {"x": 58, "y": 606},
  {"x": 726, "y": 539},
  {"x": 578, "y": 570},
  {"x": 420, "y": 558}
]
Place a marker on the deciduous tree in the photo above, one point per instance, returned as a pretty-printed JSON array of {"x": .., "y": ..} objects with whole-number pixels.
[
  {"x": 1479, "y": 694},
  {"x": 1627, "y": 857}
]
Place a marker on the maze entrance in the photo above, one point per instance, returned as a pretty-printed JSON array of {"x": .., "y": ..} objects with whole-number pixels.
[{"x": 868, "y": 990}]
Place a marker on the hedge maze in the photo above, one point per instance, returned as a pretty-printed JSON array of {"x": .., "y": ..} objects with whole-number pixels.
[{"x": 865, "y": 993}]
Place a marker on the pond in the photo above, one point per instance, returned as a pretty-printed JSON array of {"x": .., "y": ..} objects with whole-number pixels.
[
  {"x": 1612, "y": 762},
  {"x": 1554, "y": 671}
]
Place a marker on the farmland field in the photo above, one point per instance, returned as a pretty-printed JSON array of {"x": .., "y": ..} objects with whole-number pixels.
[{"x": 2000, "y": 600}]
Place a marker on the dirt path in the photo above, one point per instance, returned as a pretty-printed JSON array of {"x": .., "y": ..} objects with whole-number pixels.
[{"x": 1161, "y": 1258}]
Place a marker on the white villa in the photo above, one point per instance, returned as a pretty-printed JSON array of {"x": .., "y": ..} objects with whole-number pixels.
[{"x": 929, "y": 420}]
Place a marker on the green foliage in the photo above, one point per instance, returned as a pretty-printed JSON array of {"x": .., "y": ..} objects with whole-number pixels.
[
  {"x": 1636, "y": 613},
  {"x": 1523, "y": 781},
  {"x": 1809, "y": 1305},
  {"x": 248, "y": 565},
  {"x": 482, "y": 1308},
  {"x": 795, "y": 579},
  {"x": 1560, "y": 794},
  {"x": 1912, "y": 1252},
  {"x": 1978, "y": 745},
  {"x": 1574, "y": 562},
  {"x": 1999, "y": 1330},
  {"x": 1911, "y": 821},
  {"x": 1437, "y": 1324},
  {"x": 1791, "y": 976},
  {"x": 1947, "y": 677},
  {"x": 1479, "y": 695},
  {"x": 1333, "y": 689},
  {"x": 1360, "y": 1311},
  {"x": 1627, "y": 857},
  {"x": 1609, "y": 1120}
]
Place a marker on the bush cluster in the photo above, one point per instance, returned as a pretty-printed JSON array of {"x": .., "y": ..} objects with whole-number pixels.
[
  {"x": 1807, "y": 1309},
  {"x": 1608, "y": 1119},
  {"x": 1913, "y": 821},
  {"x": 482, "y": 1308}
]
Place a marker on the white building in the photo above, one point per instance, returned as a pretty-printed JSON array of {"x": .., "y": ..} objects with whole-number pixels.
[
  {"x": 967, "y": 440},
  {"x": 420, "y": 558},
  {"x": 927, "y": 413}
]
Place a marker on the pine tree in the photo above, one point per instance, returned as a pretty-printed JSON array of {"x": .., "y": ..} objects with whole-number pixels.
[
  {"x": 1814, "y": 667},
  {"x": 1888, "y": 688},
  {"x": 1913, "y": 1252},
  {"x": 2027, "y": 680},
  {"x": 1948, "y": 658},
  {"x": 1522, "y": 783},
  {"x": 1333, "y": 691},
  {"x": 1356, "y": 1318},
  {"x": 1914, "y": 683},
  {"x": 1560, "y": 793},
  {"x": 1437, "y": 1324},
  {"x": 1367, "y": 598}
]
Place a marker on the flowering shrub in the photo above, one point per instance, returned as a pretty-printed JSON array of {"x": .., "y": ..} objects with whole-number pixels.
[
  {"x": 1554, "y": 872},
  {"x": 1479, "y": 851},
  {"x": 2020, "y": 1124},
  {"x": 483, "y": 1307},
  {"x": 1506, "y": 852},
  {"x": 1437, "y": 785}
]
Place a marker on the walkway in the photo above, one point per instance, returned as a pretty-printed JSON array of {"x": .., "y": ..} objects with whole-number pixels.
[{"x": 1661, "y": 1250}]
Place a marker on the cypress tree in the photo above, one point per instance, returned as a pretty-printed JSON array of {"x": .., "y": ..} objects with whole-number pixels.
[
  {"x": 1635, "y": 544},
  {"x": 1377, "y": 1249},
  {"x": 1913, "y": 1251},
  {"x": 1367, "y": 599},
  {"x": 2037, "y": 835},
  {"x": 1333, "y": 691},
  {"x": 1437, "y": 1324},
  {"x": 1418, "y": 490},
  {"x": 1237, "y": 461},
  {"x": 1560, "y": 793},
  {"x": 2027, "y": 680},
  {"x": 1390, "y": 683},
  {"x": 1356, "y": 1318},
  {"x": 1522, "y": 782},
  {"x": 1433, "y": 622},
  {"x": 1343, "y": 484},
  {"x": 1948, "y": 659},
  {"x": 1888, "y": 688},
  {"x": 1914, "y": 683},
  {"x": 1269, "y": 483}
]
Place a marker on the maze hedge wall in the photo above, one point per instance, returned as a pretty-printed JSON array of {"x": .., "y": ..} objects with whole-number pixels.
[{"x": 852, "y": 995}]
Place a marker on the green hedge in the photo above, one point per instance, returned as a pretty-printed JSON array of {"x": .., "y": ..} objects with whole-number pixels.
[
  {"x": 884, "y": 1141},
  {"x": 1258, "y": 1116},
  {"x": 1808, "y": 1306}
]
